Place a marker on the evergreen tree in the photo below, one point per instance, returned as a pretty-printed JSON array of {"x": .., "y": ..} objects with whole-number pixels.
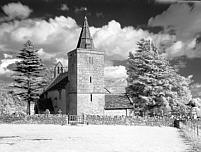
[
  {"x": 153, "y": 83},
  {"x": 27, "y": 75}
]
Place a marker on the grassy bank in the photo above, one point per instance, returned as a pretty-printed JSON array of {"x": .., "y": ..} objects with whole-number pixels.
[{"x": 191, "y": 132}]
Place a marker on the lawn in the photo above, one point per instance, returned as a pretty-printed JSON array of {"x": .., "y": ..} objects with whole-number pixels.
[{"x": 91, "y": 138}]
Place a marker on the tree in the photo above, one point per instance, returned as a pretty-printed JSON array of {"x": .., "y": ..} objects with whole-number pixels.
[
  {"x": 28, "y": 80},
  {"x": 153, "y": 83}
]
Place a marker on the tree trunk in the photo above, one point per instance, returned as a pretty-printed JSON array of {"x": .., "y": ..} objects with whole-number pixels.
[{"x": 28, "y": 108}]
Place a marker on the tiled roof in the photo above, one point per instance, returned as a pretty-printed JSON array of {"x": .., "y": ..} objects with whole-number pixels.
[
  {"x": 62, "y": 78},
  {"x": 117, "y": 101},
  {"x": 85, "y": 40}
]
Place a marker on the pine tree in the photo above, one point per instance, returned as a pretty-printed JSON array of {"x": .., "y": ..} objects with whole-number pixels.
[
  {"x": 28, "y": 80},
  {"x": 153, "y": 82}
]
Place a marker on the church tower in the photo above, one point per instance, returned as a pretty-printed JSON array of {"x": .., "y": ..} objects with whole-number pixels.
[{"x": 86, "y": 76}]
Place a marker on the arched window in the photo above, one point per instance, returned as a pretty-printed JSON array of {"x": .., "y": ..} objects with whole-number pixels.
[{"x": 58, "y": 70}]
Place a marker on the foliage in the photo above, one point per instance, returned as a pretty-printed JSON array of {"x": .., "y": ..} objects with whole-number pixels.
[
  {"x": 153, "y": 83},
  {"x": 27, "y": 75},
  {"x": 8, "y": 103}
]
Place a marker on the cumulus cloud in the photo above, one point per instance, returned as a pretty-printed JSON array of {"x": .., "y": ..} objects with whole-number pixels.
[
  {"x": 64, "y": 7},
  {"x": 81, "y": 9},
  {"x": 44, "y": 55},
  {"x": 16, "y": 10},
  {"x": 116, "y": 72},
  {"x": 183, "y": 21},
  {"x": 117, "y": 42},
  {"x": 60, "y": 35},
  {"x": 5, "y": 63},
  {"x": 55, "y": 37}
]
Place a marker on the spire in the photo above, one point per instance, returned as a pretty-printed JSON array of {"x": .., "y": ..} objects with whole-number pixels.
[{"x": 85, "y": 41}]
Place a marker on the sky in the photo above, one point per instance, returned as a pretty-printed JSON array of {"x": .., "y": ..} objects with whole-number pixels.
[{"x": 116, "y": 26}]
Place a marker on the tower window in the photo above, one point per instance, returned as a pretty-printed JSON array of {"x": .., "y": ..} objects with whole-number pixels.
[
  {"x": 91, "y": 60},
  {"x": 90, "y": 80},
  {"x": 91, "y": 97}
]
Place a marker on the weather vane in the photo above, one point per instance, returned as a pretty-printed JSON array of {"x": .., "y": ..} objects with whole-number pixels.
[{"x": 85, "y": 11}]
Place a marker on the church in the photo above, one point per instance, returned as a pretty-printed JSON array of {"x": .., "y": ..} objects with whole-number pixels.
[{"x": 81, "y": 88}]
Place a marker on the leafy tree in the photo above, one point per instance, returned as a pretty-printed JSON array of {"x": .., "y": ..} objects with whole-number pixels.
[
  {"x": 153, "y": 83},
  {"x": 28, "y": 78}
]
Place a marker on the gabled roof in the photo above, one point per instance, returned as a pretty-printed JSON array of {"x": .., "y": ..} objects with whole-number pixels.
[
  {"x": 117, "y": 101},
  {"x": 58, "y": 64},
  {"x": 58, "y": 82},
  {"x": 85, "y": 40}
]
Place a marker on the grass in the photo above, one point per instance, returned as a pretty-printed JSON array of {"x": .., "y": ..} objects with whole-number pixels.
[{"x": 89, "y": 138}]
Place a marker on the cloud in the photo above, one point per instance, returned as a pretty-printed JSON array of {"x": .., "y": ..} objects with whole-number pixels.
[
  {"x": 175, "y": 1},
  {"x": 81, "y": 9},
  {"x": 166, "y": 1},
  {"x": 196, "y": 89},
  {"x": 183, "y": 21},
  {"x": 57, "y": 36},
  {"x": 5, "y": 63},
  {"x": 115, "y": 72},
  {"x": 44, "y": 55},
  {"x": 64, "y": 7},
  {"x": 8, "y": 56},
  {"x": 117, "y": 42},
  {"x": 53, "y": 35},
  {"x": 16, "y": 10},
  {"x": 99, "y": 14}
]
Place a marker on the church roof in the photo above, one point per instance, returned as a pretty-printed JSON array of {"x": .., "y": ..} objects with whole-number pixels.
[
  {"x": 85, "y": 40},
  {"x": 58, "y": 82},
  {"x": 117, "y": 101}
]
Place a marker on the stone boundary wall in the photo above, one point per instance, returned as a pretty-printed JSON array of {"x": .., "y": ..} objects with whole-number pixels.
[
  {"x": 86, "y": 119},
  {"x": 34, "y": 119},
  {"x": 192, "y": 128},
  {"x": 128, "y": 120}
]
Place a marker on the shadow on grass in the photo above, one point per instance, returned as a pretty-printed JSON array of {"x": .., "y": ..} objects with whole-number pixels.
[
  {"x": 5, "y": 137},
  {"x": 39, "y": 139},
  {"x": 7, "y": 143}
]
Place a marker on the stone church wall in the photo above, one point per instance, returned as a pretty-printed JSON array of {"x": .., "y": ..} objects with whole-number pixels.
[
  {"x": 94, "y": 106},
  {"x": 90, "y": 65},
  {"x": 58, "y": 100},
  {"x": 116, "y": 112}
]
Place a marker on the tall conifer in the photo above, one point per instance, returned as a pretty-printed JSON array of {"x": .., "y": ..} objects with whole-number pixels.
[
  {"x": 28, "y": 75},
  {"x": 153, "y": 82}
]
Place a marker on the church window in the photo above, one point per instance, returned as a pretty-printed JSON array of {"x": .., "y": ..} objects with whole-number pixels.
[
  {"x": 59, "y": 94},
  {"x": 90, "y": 79},
  {"x": 58, "y": 70},
  {"x": 91, "y": 60},
  {"x": 61, "y": 69},
  {"x": 91, "y": 97}
]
